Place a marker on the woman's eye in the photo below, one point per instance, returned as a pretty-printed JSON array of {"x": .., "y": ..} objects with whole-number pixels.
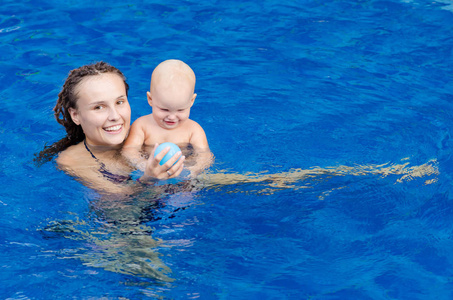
[
  {"x": 120, "y": 102},
  {"x": 98, "y": 107}
]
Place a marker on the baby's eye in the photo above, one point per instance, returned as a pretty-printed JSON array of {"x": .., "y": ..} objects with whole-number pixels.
[
  {"x": 98, "y": 107},
  {"x": 119, "y": 102}
]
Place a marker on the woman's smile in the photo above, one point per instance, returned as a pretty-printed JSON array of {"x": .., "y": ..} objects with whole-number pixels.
[{"x": 114, "y": 128}]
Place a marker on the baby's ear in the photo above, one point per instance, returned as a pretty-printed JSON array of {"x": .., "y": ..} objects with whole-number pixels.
[
  {"x": 150, "y": 100},
  {"x": 74, "y": 115},
  {"x": 193, "y": 99}
]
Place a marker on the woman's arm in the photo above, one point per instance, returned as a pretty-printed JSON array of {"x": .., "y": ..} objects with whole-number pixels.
[{"x": 171, "y": 169}]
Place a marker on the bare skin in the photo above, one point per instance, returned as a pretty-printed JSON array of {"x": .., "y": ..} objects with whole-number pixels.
[
  {"x": 103, "y": 112},
  {"x": 171, "y": 96}
]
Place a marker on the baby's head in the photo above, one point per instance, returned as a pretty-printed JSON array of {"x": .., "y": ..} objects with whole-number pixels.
[
  {"x": 172, "y": 91},
  {"x": 173, "y": 77}
]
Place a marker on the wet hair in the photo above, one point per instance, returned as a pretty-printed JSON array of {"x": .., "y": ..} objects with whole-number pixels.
[{"x": 67, "y": 98}]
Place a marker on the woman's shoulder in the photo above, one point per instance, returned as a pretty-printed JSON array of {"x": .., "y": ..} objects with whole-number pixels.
[{"x": 71, "y": 156}]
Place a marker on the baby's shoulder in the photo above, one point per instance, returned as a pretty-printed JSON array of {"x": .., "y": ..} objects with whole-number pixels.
[
  {"x": 194, "y": 126},
  {"x": 144, "y": 120}
]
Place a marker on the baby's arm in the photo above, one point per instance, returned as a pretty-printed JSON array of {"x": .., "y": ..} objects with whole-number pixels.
[
  {"x": 198, "y": 138},
  {"x": 203, "y": 155},
  {"x": 134, "y": 142}
]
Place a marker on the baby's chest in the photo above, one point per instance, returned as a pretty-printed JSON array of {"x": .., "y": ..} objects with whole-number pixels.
[{"x": 176, "y": 136}]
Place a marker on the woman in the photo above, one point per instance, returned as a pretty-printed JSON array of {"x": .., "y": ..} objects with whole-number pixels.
[{"x": 94, "y": 109}]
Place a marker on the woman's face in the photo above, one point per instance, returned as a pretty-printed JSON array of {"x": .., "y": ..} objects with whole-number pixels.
[{"x": 102, "y": 109}]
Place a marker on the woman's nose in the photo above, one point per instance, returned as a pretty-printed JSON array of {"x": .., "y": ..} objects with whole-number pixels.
[{"x": 114, "y": 115}]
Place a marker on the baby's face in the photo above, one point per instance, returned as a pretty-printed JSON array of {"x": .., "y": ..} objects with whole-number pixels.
[{"x": 171, "y": 106}]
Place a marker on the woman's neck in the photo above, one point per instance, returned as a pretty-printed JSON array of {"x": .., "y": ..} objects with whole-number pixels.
[{"x": 102, "y": 148}]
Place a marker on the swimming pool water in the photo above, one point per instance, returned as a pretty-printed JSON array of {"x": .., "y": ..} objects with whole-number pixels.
[{"x": 282, "y": 86}]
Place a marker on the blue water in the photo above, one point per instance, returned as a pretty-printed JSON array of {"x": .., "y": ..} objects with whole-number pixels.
[{"x": 282, "y": 86}]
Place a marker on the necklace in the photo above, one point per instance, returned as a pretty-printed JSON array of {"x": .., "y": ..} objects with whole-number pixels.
[{"x": 110, "y": 176}]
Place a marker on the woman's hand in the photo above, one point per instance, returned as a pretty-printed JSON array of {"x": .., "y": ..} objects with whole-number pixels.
[{"x": 170, "y": 169}]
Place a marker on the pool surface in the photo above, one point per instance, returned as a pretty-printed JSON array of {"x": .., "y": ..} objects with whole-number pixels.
[{"x": 333, "y": 120}]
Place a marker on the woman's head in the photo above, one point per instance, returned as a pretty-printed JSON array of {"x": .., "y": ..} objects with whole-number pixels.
[
  {"x": 69, "y": 96},
  {"x": 106, "y": 82}
]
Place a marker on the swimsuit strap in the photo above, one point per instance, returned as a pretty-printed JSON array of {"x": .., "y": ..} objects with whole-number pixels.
[
  {"x": 92, "y": 155},
  {"x": 110, "y": 176}
]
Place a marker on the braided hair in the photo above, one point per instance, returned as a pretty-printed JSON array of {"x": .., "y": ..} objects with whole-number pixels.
[{"x": 67, "y": 98}]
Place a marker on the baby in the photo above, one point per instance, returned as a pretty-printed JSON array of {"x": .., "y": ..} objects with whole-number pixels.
[{"x": 171, "y": 96}]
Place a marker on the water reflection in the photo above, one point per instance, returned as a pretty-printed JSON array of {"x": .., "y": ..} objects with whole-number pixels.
[
  {"x": 116, "y": 235},
  {"x": 294, "y": 178}
]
